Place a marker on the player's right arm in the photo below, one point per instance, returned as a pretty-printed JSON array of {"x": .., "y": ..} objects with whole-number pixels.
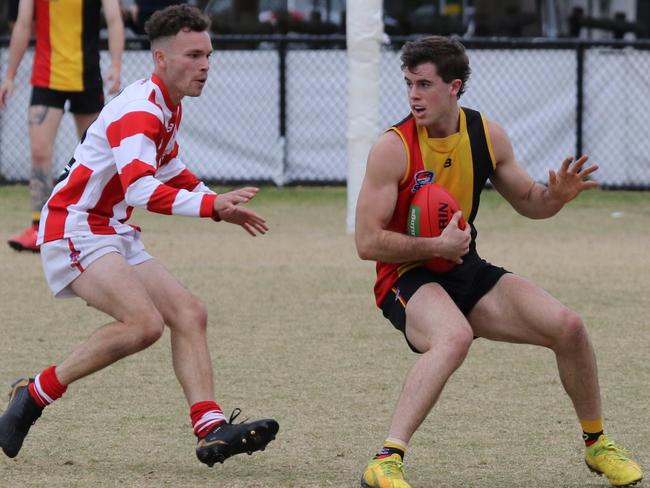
[
  {"x": 134, "y": 138},
  {"x": 375, "y": 206},
  {"x": 134, "y": 133},
  {"x": 17, "y": 47},
  {"x": 115, "y": 28}
]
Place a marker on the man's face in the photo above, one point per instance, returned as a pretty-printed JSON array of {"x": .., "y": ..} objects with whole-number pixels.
[
  {"x": 185, "y": 63},
  {"x": 430, "y": 97}
]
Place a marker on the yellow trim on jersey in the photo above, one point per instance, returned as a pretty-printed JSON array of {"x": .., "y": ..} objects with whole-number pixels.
[
  {"x": 489, "y": 141},
  {"x": 67, "y": 51},
  {"x": 403, "y": 268},
  {"x": 408, "y": 155}
]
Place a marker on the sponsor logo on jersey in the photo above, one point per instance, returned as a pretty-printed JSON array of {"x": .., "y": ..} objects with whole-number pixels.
[{"x": 421, "y": 178}]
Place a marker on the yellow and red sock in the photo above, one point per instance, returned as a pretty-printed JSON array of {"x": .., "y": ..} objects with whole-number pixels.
[
  {"x": 391, "y": 446},
  {"x": 591, "y": 430},
  {"x": 46, "y": 387},
  {"x": 205, "y": 416}
]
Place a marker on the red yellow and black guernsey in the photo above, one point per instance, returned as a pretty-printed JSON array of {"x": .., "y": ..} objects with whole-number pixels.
[
  {"x": 67, "y": 44},
  {"x": 461, "y": 162}
]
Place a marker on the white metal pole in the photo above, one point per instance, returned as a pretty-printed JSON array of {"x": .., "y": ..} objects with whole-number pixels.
[{"x": 365, "y": 30}]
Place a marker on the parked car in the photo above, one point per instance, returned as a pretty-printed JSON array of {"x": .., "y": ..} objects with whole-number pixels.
[{"x": 277, "y": 16}]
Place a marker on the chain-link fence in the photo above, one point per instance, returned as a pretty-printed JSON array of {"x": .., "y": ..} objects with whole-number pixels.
[{"x": 275, "y": 108}]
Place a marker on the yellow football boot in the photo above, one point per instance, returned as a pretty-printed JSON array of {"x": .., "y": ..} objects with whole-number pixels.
[
  {"x": 386, "y": 472},
  {"x": 605, "y": 457}
]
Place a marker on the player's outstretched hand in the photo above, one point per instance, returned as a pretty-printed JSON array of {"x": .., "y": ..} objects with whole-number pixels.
[
  {"x": 226, "y": 206},
  {"x": 571, "y": 179}
]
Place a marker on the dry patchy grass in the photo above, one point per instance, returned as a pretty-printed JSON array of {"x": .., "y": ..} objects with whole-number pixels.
[{"x": 295, "y": 335}]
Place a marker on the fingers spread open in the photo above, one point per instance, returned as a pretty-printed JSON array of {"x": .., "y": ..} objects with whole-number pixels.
[
  {"x": 248, "y": 191},
  {"x": 252, "y": 215},
  {"x": 565, "y": 164},
  {"x": 254, "y": 228},
  {"x": 579, "y": 162},
  {"x": 237, "y": 198},
  {"x": 247, "y": 227},
  {"x": 588, "y": 170}
]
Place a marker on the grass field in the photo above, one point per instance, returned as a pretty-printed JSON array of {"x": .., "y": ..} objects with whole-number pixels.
[{"x": 295, "y": 335}]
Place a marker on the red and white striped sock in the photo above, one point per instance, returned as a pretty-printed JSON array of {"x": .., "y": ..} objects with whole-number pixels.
[
  {"x": 205, "y": 416},
  {"x": 46, "y": 387}
]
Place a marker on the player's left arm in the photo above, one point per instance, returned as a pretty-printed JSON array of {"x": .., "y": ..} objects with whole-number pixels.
[
  {"x": 529, "y": 198},
  {"x": 115, "y": 27}
]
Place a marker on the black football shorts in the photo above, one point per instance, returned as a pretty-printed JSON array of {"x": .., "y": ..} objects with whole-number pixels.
[
  {"x": 89, "y": 101},
  {"x": 465, "y": 284}
]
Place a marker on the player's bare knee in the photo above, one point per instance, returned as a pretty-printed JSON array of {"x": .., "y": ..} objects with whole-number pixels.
[
  {"x": 192, "y": 315},
  {"x": 149, "y": 336},
  {"x": 149, "y": 329},
  {"x": 201, "y": 314},
  {"x": 41, "y": 156},
  {"x": 573, "y": 331},
  {"x": 454, "y": 345},
  {"x": 458, "y": 343}
]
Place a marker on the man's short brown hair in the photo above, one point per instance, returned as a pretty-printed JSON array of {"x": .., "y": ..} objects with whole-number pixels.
[
  {"x": 448, "y": 55},
  {"x": 175, "y": 18}
]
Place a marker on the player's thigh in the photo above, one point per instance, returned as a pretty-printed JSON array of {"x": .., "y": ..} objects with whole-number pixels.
[
  {"x": 176, "y": 303},
  {"x": 518, "y": 310},
  {"x": 433, "y": 319},
  {"x": 111, "y": 285}
]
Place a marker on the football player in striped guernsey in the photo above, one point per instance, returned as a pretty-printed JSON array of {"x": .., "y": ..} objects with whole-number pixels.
[{"x": 129, "y": 158}]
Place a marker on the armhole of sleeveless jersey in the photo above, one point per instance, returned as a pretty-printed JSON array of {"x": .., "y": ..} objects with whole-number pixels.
[
  {"x": 488, "y": 141},
  {"x": 405, "y": 178}
]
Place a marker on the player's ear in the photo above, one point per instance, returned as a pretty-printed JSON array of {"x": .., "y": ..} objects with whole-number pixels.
[
  {"x": 159, "y": 57},
  {"x": 455, "y": 86}
]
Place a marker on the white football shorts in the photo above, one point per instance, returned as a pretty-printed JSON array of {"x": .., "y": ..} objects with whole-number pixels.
[{"x": 65, "y": 259}]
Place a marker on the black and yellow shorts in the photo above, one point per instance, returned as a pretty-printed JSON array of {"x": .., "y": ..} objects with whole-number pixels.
[{"x": 466, "y": 284}]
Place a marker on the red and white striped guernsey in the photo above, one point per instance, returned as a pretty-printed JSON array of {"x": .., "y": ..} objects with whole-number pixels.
[{"x": 128, "y": 158}]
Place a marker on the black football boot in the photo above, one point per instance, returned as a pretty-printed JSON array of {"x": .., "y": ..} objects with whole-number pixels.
[
  {"x": 228, "y": 439},
  {"x": 20, "y": 415}
]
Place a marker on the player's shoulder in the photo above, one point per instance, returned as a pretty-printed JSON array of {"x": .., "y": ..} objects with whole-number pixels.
[
  {"x": 388, "y": 155},
  {"x": 142, "y": 90},
  {"x": 494, "y": 127},
  {"x": 139, "y": 96},
  {"x": 389, "y": 144},
  {"x": 499, "y": 138}
]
